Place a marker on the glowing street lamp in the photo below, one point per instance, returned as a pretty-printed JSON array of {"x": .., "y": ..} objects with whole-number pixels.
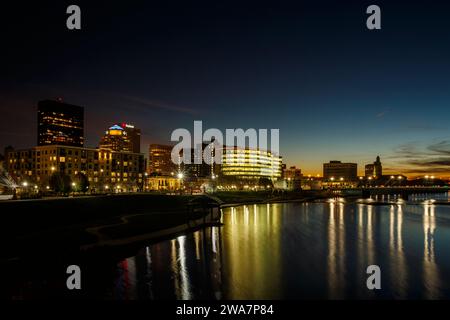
[
  {"x": 180, "y": 175},
  {"x": 25, "y": 184}
]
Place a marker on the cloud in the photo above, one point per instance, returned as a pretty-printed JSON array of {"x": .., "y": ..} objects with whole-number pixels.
[
  {"x": 414, "y": 158},
  {"x": 156, "y": 104},
  {"x": 442, "y": 147}
]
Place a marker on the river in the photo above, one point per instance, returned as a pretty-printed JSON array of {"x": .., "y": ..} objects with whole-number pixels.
[{"x": 312, "y": 250}]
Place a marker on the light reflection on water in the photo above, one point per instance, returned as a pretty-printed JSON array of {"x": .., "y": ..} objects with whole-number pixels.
[{"x": 307, "y": 250}]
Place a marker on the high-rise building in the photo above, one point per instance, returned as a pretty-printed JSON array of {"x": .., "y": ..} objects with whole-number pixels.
[
  {"x": 339, "y": 171},
  {"x": 199, "y": 168},
  {"x": 134, "y": 135},
  {"x": 116, "y": 139},
  {"x": 60, "y": 124},
  {"x": 374, "y": 170},
  {"x": 160, "y": 160}
]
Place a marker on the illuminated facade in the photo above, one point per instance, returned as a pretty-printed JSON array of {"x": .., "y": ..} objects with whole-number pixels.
[
  {"x": 163, "y": 183},
  {"x": 160, "y": 161},
  {"x": 60, "y": 124},
  {"x": 134, "y": 135},
  {"x": 117, "y": 139},
  {"x": 104, "y": 169},
  {"x": 250, "y": 164}
]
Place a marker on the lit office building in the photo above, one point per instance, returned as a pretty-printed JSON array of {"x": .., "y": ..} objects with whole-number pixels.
[
  {"x": 160, "y": 161},
  {"x": 250, "y": 164},
  {"x": 199, "y": 168},
  {"x": 134, "y": 135},
  {"x": 339, "y": 171},
  {"x": 117, "y": 139},
  {"x": 60, "y": 124}
]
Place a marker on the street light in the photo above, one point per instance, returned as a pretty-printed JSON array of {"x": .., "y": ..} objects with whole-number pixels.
[
  {"x": 180, "y": 175},
  {"x": 25, "y": 183}
]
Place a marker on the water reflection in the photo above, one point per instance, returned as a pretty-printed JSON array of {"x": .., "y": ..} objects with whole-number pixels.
[
  {"x": 308, "y": 250},
  {"x": 430, "y": 269}
]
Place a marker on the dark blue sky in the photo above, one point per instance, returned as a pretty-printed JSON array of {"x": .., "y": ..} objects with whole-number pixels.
[{"x": 312, "y": 69}]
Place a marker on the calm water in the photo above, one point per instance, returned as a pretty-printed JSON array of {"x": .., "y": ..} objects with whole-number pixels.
[
  {"x": 307, "y": 250},
  {"x": 275, "y": 251}
]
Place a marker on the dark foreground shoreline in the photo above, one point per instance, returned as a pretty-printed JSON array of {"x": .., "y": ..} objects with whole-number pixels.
[{"x": 110, "y": 224}]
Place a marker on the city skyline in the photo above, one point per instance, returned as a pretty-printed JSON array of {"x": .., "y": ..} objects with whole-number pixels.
[{"x": 334, "y": 89}]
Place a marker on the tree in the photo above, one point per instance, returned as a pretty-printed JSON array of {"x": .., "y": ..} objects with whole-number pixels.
[
  {"x": 264, "y": 182},
  {"x": 81, "y": 183},
  {"x": 60, "y": 182}
]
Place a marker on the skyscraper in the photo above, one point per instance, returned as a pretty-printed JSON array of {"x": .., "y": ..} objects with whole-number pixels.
[
  {"x": 134, "y": 135},
  {"x": 116, "y": 139},
  {"x": 60, "y": 124}
]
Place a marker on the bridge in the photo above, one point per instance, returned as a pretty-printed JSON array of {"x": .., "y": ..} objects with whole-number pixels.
[{"x": 403, "y": 191}]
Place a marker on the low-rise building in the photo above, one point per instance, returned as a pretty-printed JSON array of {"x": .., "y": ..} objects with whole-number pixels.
[{"x": 105, "y": 169}]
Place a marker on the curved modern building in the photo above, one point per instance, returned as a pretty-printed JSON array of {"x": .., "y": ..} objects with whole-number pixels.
[{"x": 250, "y": 163}]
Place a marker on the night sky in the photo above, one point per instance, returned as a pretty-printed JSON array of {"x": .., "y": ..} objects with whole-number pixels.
[{"x": 336, "y": 90}]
